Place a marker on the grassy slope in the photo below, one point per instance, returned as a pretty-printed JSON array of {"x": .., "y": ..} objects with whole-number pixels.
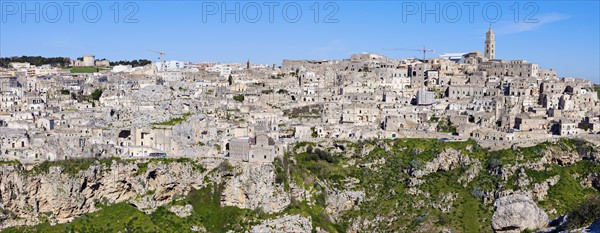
[
  {"x": 387, "y": 185},
  {"x": 123, "y": 217},
  {"x": 80, "y": 70}
]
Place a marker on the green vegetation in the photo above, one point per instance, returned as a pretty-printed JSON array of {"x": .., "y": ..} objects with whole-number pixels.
[
  {"x": 65, "y": 92},
  {"x": 317, "y": 213},
  {"x": 72, "y": 166},
  {"x": 122, "y": 217},
  {"x": 86, "y": 69},
  {"x": 386, "y": 183},
  {"x": 311, "y": 111},
  {"x": 96, "y": 94},
  {"x": 585, "y": 213},
  {"x": 10, "y": 162},
  {"x": 195, "y": 166},
  {"x": 239, "y": 98},
  {"x": 36, "y": 60},
  {"x": 568, "y": 191},
  {"x": 597, "y": 89},
  {"x": 383, "y": 170},
  {"x": 173, "y": 121},
  {"x": 434, "y": 119},
  {"x": 278, "y": 76},
  {"x": 91, "y": 98},
  {"x": 142, "y": 169},
  {"x": 75, "y": 165},
  {"x": 446, "y": 127},
  {"x": 281, "y": 166},
  {"x": 207, "y": 206},
  {"x": 133, "y": 63},
  {"x": 282, "y": 91},
  {"x": 303, "y": 145}
]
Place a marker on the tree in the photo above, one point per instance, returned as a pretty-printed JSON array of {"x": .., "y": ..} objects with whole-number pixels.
[
  {"x": 239, "y": 98},
  {"x": 36, "y": 60},
  {"x": 96, "y": 94},
  {"x": 133, "y": 63},
  {"x": 230, "y": 80}
]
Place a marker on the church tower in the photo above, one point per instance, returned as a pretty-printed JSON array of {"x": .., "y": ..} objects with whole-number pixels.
[{"x": 490, "y": 45}]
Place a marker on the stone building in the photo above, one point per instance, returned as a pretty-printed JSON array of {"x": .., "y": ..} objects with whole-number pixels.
[
  {"x": 425, "y": 97},
  {"x": 259, "y": 149}
]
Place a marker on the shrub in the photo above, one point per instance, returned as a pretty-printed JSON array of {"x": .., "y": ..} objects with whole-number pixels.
[
  {"x": 225, "y": 167},
  {"x": 415, "y": 164},
  {"x": 96, "y": 94},
  {"x": 493, "y": 164},
  {"x": 478, "y": 193},
  {"x": 309, "y": 149},
  {"x": 239, "y": 98},
  {"x": 585, "y": 214}
]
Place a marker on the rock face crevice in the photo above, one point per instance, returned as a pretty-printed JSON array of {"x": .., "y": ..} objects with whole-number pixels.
[
  {"x": 61, "y": 197},
  {"x": 254, "y": 187}
]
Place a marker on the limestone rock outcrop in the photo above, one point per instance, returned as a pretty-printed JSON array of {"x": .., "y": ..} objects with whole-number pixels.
[
  {"x": 516, "y": 213},
  {"x": 444, "y": 161},
  {"x": 254, "y": 187},
  {"x": 340, "y": 201},
  {"x": 182, "y": 210},
  {"x": 24, "y": 196},
  {"x": 287, "y": 223}
]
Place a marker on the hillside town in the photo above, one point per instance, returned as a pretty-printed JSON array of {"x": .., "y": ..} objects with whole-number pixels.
[{"x": 253, "y": 113}]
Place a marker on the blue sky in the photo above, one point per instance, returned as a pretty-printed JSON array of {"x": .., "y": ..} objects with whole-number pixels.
[{"x": 562, "y": 35}]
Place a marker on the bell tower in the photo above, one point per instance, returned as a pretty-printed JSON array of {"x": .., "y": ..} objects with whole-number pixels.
[{"x": 490, "y": 44}]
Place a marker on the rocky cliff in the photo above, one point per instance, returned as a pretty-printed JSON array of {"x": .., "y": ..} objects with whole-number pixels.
[
  {"x": 25, "y": 196},
  {"x": 415, "y": 185}
]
